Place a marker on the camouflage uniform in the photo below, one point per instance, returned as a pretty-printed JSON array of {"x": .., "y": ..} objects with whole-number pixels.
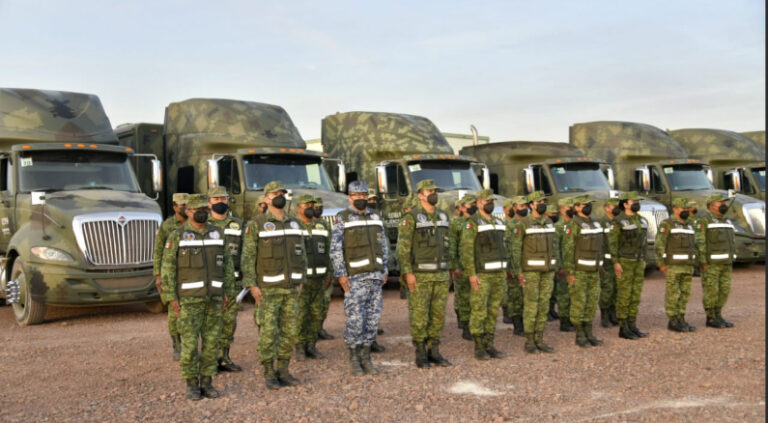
[
  {"x": 328, "y": 292},
  {"x": 188, "y": 250},
  {"x": 679, "y": 256},
  {"x": 512, "y": 304},
  {"x": 461, "y": 288},
  {"x": 562, "y": 296},
  {"x": 607, "y": 301}
]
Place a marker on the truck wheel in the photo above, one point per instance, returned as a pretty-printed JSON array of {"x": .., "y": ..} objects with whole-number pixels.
[
  {"x": 27, "y": 311},
  {"x": 155, "y": 307}
]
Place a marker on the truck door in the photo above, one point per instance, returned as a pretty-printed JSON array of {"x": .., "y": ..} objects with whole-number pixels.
[
  {"x": 658, "y": 190},
  {"x": 229, "y": 177},
  {"x": 6, "y": 204}
]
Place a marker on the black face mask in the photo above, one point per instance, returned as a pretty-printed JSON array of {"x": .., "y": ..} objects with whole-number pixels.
[
  {"x": 278, "y": 202},
  {"x": 722, "y": 208},
  {"x": 263, "y": 209},
  {"x": 522, "y": 212},
  {"x": 615, "y": 211},
  {"x": 684, "y": 214},
  {"x": 570, "y": 213},
  {"x": 318, "y": 211},
  {"x": 200, "y": 216},
  {"x": 587, "y": 210},
  {"x": 432, "y": 198},
  {"x": 541, "y": 208},
  {"x": 183, "y": 211},
  {"x": 694, "y": 211},
  {"x": 555, "y": 218},
  {"x": 471, "y": 210},
  {"x": 488, "y": 207},
  {"x": 360, "y": 204},
  {"x": 309, "y": 212},
  {"x": 635, "y": 207},
  {"x": 220, "y": 208}
]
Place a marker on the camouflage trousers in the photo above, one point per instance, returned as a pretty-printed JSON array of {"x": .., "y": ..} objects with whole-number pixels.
[
  {"x": 327, "y": 301},
  {"x": 678, "y": 289},
  {"x": 716, "y": 285},
  {"x": 173, "y": 322},
  {"x": 608, "y": 286},
  {"x": 199, "y": 322},
  {"x": 229, "y": 322},
  {"x": 536, "y": 293},
  {"x": 277, "y": 320},
  {"x": 362, "y": 308},
  {"x": 311, "y": 307},
  {"x": 485, "y": 302},
  {"x": 512, "y": 304},
  {"x": 584, "y": 295},
  {"x": 426, "y": 311},
  {"x": 562, "y": 296},
  {"x": 629, "y": 288},
  {"x": 461, "y": 291}
]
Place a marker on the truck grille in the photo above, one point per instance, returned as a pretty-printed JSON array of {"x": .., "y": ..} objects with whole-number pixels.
[
  {"x": 755, "y": 214},
  {"x": 117, "y": 239},
  {"x": 654, "y": 216}
]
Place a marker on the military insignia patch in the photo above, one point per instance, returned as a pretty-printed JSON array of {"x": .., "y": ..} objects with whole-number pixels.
[
  {"x": 188, "y": 236},
  {"x": 549, "y": 225},
  {"x": 214, "y": 235},
  {"x": 294, "y": 225},
  {"x": 353, "y": 217},
  {"x": 219, "y": 260},
  {"x": 319, "y": 226},
  {"x": 568, "y": 231},
  {"x": 375, "y": 216},
  {"x": 421, "y": 218},
  {"x": 248, "y": 229},
  {"x": 516, "y": 230},
  {"x": 584, "y": 226},
  {"x": 269, "y": 226},
  {"x": 499, "y": 222},
  {"x": 469, "y": 225},
  {"x": 404, "y": 222},
  {"x": 663, "y": 229},
  {"x": 443, "y": 217},
  {"x": 168, "y": 245},
  {"x": 234, "y": 225}
]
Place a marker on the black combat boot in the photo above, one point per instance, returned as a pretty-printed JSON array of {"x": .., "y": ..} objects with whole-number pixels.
[
  {"x": 517, "y": 321},
  {"x": 507, "y": 318},
  {"x": 632, "y": 325},
  {"x": 480, "y": 352},
  {"x": 379, "y": 331},
  {"x": 712, "y": 321},
  {"x": 301, "y": 352},
  {"x": 207, "y": 389},
  {"x": 605, "y": 319},
  {"x": 612, "y": 315},
  {"x": 676, "y": 325},
  {"x": 593, "y": 340},
  {"x": 420, "y": 350},
  {"x": 433, "y": 354},
  {"x": 459, "y": 323},
  {"x": 538, "y": 339},
  {"x": 565, "y": 324},
  {"x": 176, "y": 341},
  {"x": 285, "y": 378},
  {"x": 530, "y": 346},
  {"x": 377, "y": 348},
  {"x": 490, "y": 349},
  {"x": 226, "y": 364},
  {"x": 354, "y": 361},
  {"x": 269, "y": 375},
  {"x": 311, "y": 350},
  {"x": 625, "y": 332},
  {"x": 324, "y": 335},
  {"x": 688, "y": 327},
  {"x": 193, "y": 389},
  {"x": 725, "y": 323},
  {"x": 365, "y": 360},
  {"x": 465, "y": 333},
  {"x": 581, "y": 337},
  {"x": 552, "y": 314}
]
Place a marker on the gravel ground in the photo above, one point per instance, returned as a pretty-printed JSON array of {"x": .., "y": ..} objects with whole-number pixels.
[{"x": 114, "y": 364}]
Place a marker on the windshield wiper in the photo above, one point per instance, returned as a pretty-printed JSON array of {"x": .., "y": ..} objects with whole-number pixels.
[{"x": 96, "y": 187}]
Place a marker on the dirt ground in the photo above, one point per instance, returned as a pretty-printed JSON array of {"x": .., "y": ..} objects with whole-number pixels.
[{"x": 114, "y": 364}]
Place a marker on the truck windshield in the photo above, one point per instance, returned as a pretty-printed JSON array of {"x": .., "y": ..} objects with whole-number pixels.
[
  {"x": 759, "y": 174},
  {"x": 448, "y": 175},
  {"x": 687, "y": 177},
  {"x": 57, "y": 170},
  {"x": 578, "y": 177},
  {"x": 293, "y": 171}
]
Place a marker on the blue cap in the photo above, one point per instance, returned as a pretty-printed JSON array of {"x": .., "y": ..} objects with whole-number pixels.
[{"x": 357, "y": 186}]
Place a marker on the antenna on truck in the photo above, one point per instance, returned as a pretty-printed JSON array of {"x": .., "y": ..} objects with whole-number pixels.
[{"x": 474, "y": 134}]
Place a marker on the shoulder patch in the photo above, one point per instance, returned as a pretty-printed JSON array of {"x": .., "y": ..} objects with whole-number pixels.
[
  {"x": 374, "y": 216},
  {"x": 568, "y": 231},
  {"x": 168, "y": 245},
  {"x": 188, "y": 236},
  {"x": 469, "y": 225},
  {"x": 269, "y": 226},
  {"x": 319, "y": 226},
  {"x": 294, "y": 224},
  {"x": 421, "y": 218},
  {"x": 404, "y": 222},
  {"x": 234, "y": 225},
  {"x": 516, "y": 230},
  {"x": 214, "y": 235},
  {"x": 663, "y": 229}
]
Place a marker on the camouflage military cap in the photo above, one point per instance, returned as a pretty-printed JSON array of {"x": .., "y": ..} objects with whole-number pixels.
[
  {"x": 612, "y": 201},
  {"x": 517, "y": 199},
  {"x": 551, "y": 208},
  {"x": 457, "y": 204},
  {"x": 536, "y": 196},
  {"x": 318, "y": 201},
  {"x": 630, "y": 195},
  {"x": 260, "y": 200},
  {"x": 508, "y": 204},
  {"x": 215, "y": 192},
  {"x": 426, "y": 184},
  {"x": 305, "y": 198},
  {"x": 273, "y": 187},
  {"x": 716, "y": 197},
  {"x": 681, "y": 202},
  {"x": 468, "y": 199},
  {"x": 582, "y": 199},
  {"x": 180, "y": 198},
  {"x": 197, "y": 201},
  {"x": 357, "y": 187},
  {"x": 565, "y": 201},
  {"x": 485, "y": 194}
]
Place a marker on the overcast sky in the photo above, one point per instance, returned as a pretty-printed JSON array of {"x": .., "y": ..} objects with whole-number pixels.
[{"x": 518, "y": 70}]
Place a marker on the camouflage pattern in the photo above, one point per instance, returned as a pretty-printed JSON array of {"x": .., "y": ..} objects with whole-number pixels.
[
  {"x": 758, "y": 137},
  {"x": 169, "y": 225},
  {"x": 608, "y": 275},
  {"x": 678, "y": 290},
  {"x": 234, "y": 243},
  {"x": 560, "y": 290},
  {"x": 629, "y": 288},
  {"x": 200, "y": 322},
  {"x": 277, "y": 320},
  {"x": 512, "y": 304},
  {"x": 585, "y": 290},
  {"x": 536, "y": 293},
  {"x": 716, "y": 278},
  {"x": 312, "y": 300},
  {"x": 461, "y": 286}
]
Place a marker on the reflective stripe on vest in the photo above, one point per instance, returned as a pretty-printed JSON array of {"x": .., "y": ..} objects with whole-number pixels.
[
  {"x": 356, "y": 223},
  {"x": 631, "y": 227},
  {"x": 235, "y": 232},
  {"x": 720, "y": 226},
  {"x": 495, "y": 265},
  {"x": 359, "y": 263},
  {"x": 316, "y": 271},
  {"x": 273, "y": 279},
  {"x": 281, "y": 232},
  {"x": 723, "y": 256},
  {"x": 200, "y": 242},
  {"x": 539, "y": 230},
  {"x": 681, "y": 231},
  {"x": 490, "y": 227},
  {"x": 432, "y": 266},
  {"x": 192, "y": 285}
]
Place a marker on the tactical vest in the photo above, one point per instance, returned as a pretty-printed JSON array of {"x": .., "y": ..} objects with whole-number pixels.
[
  {"x": 317, "y": 255},
  {"x": 200, "y": 263},
  {"x": 430, "y": 247},
  {"x": 720, "y": 242},
  {"x": 362, "y": 242},
  {"x": 589, "y": 245},
  {"x": 538, "y": 247},
  {"x": 681, "y": 248},
  {"x": 233, "y": 240},
  {"x": 490, "y": 250},
  {"x": 280, "y": 262},
  {"x": 607, "y": 223},
  {"x": 631, "y": 237}
]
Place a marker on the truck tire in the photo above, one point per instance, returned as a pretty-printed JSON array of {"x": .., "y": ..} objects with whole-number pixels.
[
  {"x": 27, "y": 311},
  {"x": 155, "y": 307}
]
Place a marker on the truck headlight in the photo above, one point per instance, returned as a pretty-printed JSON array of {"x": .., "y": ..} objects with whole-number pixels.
[{"x": 51, "y": 254}]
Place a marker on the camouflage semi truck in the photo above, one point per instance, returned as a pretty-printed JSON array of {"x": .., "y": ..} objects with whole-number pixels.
[
  {"x": 76, "y": 228},
  {"x": 736, "y": 161},
  {"x": 392, "y": 152},
  {"x": 240, "y": 145},
  {"x": 757, "y": 136},
  {"x": 647, "y": 159},
  {"x": 559, "y": 170}
]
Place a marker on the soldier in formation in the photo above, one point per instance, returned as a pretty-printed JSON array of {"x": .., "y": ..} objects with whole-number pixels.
[
  {"x": 607, "y": 300},
  {"x": 516, "y": 208},
  {"x": 676, "y": 255},
  {"x": 461, "y": 288},
  {"x": 563, "y": 297},
  {"x": 322, "y": 334},
  {"x": 198, "y": 282}
]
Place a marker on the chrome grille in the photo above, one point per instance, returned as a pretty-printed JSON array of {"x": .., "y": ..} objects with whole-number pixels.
[
  {"x": 654, "y": 215},
  {"x": 117, "y": 239},
  {"x": 755, "y": 214}
]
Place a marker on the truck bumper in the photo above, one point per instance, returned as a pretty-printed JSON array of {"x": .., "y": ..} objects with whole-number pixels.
[
  {"x": 749, "y": 250},
  {"x": 61, "y": 285}
]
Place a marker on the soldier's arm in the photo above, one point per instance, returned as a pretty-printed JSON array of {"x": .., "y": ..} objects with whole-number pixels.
[
  {"x": 644, "y": 242},
  {"x": 661, "y": 242},
  {"x": 700, "y": 238},
  {"x": 613, "y": 240},
  {"x": 168, "y": 270},
  {"x": 248, "y": 254},
  {"x": 160, "y": 237},
  {"x": 385, "y": 249},
  {"x": 453, "y": 244},
  {"x": 404, "y": 243},
  {"x": 557, "y": 241},
  {"x": 327, "y": 241},
  {"x": 467, "y": 247},
  {"x": 568, "y": 245},
  {"x": 515, "y": 265},
  {"x": 337, "y": 249},
  {"x": 229, "y": 275}
]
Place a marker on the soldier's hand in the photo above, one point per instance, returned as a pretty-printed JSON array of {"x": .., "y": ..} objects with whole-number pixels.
[
  {"x": 618, "y": 269},
  {"x": 159, "y": 283},
  {"x": 456, "y": 273},
  {"x": 561, "y": 273},
  {"x": 521, "y": 279},
  {"x": 224, "y": 303},
  {"x": 256, "y": 293},
  {"x": 410, "y": 280},
  {"x": 571, "y": 279},
  {"x": 384, "y": 279},
  {"x": 663, "y": 270},
  {"x": 475, "y": 282},
  {"x": 703, "y": 267},
  {"x": 327, "y": 282},
  {"x": 344, "y": 282},
  {"x": 176, "y": 308}
]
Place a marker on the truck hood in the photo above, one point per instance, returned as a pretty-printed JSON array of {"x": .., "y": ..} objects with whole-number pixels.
[{"x": 63, "y": 206}]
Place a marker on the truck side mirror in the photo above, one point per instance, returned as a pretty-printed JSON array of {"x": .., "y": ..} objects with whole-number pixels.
[
  {"x": 710, "y": 176},
  {"x": 213, "y": 173},
  {"x": 528, "y": 177},
  {"x": 381, "y": 176},
  {"x": 735, "y": 179},
  {"x": 611, "y": 178},
  {"x": 486, "y": 178},
  {"x": 342, "y": 177},
  {"x": 157, "y": 175},
  {"x": 645, "y": 178}
]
